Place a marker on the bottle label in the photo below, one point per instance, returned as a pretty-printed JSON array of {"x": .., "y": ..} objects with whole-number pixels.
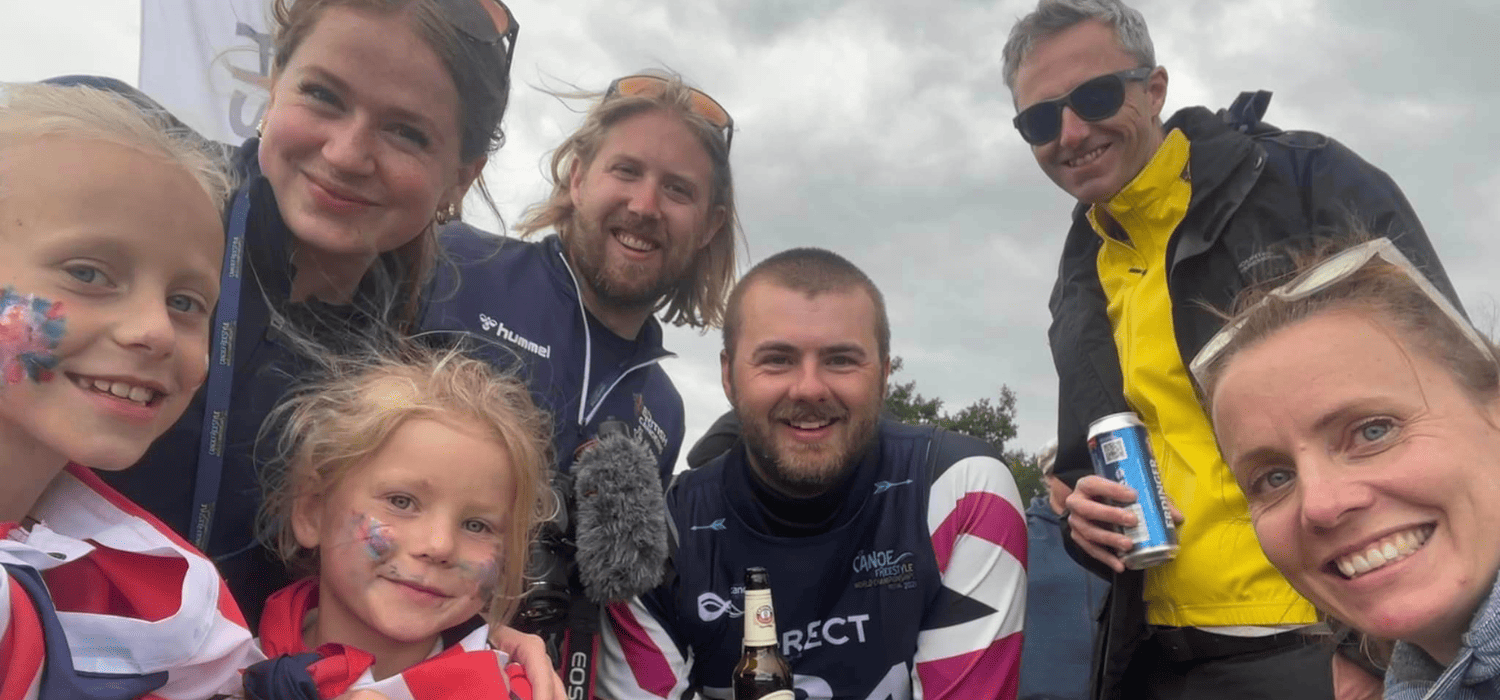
[{"x": 760, "y": 619}]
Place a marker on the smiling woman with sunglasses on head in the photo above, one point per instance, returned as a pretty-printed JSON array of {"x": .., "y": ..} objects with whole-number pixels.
[
  {"x": 1359, "y": 411},
  {"x": 382, "y": 114}
]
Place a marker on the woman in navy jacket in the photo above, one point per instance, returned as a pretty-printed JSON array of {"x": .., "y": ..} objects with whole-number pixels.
[{"x": 379, "y": 121}]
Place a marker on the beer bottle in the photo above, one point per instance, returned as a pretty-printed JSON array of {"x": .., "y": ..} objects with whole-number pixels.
[{"x": 762, "y": 673}]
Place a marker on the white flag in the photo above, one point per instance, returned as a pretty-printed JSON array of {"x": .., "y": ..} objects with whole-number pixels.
[{"x": 208, "y": 62}]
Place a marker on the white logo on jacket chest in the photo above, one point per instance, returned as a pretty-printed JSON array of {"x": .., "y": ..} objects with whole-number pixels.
[{"x": 510, "y": 336}]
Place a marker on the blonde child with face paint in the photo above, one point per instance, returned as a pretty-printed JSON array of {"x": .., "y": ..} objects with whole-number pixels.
[
  {"x": 409, "y": 487},
  {"x": 110, "y": 253}
]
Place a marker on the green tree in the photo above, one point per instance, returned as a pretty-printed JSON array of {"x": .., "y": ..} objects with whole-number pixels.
[
  {"x": 991, "y": 420},
  {"x": 1025, "y": 468}
]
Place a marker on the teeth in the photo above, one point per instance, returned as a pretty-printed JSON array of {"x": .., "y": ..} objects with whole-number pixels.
[
  {"x": 129, "y": 392},
  {"x": 1086, "y": 158},
  {"x": 1391, "y": 549},
  {"x": 635, "y": 243},
  {"x": 806, "y": 425},
  {"x": 1406, "y": 543}
]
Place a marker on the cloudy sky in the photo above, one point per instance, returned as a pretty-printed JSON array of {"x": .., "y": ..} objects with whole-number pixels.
[{"x": 881, "y": 130}]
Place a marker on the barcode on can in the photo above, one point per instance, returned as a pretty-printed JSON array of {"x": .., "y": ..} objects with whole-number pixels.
[
  {"x": 1113, "y": 450},
  {"x": 1138, "y": 532}
]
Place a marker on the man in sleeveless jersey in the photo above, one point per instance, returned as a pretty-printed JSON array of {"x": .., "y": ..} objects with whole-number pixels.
[{"x": 896, "y": 554}]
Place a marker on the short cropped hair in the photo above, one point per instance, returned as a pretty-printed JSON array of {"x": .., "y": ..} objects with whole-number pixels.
[
  {"x": 812, "y": 271},
  {"x": 35, "y": 111},
  {"x": 1052, "y": 17}
]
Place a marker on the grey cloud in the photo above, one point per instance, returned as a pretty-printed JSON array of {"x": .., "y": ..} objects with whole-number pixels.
[{"x": 881, "y": 130}]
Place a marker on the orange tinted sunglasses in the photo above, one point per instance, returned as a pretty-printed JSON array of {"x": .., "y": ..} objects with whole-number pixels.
[
  {"x": 702, "y": 105},
  {"x": 488, "y": 22}
]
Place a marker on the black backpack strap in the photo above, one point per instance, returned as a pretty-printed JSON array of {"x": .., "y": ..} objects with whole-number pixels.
[{"x": 1247, "y": 110}]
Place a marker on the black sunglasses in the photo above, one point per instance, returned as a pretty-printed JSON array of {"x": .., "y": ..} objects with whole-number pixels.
[
  {"x": 491, "y": 25},
  {"x": 1095, "y": 99}
]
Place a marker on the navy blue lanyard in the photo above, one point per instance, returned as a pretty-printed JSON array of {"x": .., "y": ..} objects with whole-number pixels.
[{"x": 220, "y": 377}]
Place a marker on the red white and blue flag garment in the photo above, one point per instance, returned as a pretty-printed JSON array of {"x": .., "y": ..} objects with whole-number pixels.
[
  {"x": 101, "y": 601},
  {"x": 468, "y": 668}
]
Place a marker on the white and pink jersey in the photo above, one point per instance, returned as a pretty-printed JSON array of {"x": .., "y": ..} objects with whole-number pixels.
[{"x": 912, "y": 586}]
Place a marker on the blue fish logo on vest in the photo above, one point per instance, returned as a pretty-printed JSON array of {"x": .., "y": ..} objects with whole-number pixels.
[
  {"x": 883, "y": 486},
  {"x": 717, "y": 525}
]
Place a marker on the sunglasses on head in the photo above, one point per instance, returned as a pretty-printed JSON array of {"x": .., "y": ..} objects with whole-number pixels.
[
  {"x": 1097, "y": 98},
  {"x": 488, "y": 22},
  {"x": 1328, "y": 273},
  {"x": 701, "y": 104}
]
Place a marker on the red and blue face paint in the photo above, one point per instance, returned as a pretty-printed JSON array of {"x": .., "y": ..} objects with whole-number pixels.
[
  {"x": 380, "y": 545},
  {"x": 30, "y": 329}
]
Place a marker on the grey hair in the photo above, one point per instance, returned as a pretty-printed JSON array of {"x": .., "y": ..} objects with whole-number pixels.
[
  {"x": 33, "y": 111},
  {"x": 1051, "y": 17}
]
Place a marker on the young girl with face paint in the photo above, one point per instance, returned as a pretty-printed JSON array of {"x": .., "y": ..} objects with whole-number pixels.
[
  {"x": 110, "y": 252},
  {"x": 410, "y": 482}
]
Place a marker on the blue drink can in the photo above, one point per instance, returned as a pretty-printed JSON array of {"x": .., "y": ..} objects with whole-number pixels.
[{"x": 1121, "y": 450}]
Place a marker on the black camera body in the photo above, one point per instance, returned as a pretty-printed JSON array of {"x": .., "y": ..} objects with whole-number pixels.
[
  {"x": 552, "y": 567},
  {"x": 549, "y": 607}
]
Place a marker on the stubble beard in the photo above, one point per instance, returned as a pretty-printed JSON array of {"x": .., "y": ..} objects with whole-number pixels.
[
  {"x": 626, "y": 287},
  {"x": 804, "y": 472}
]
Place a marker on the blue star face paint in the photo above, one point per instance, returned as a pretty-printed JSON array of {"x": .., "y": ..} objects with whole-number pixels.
[{"x": 30, "y": 330}]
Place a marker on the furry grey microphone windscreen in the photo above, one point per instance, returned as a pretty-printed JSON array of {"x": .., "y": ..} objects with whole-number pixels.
[{"x": 622, "y": 520}]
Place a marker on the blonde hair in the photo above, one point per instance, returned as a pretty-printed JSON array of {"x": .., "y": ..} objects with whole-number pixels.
[
  {"x": 337, "y": 422},
  {"x": 699, "y": 298},
  {"x": 1383, "y": 291},
  {"x": 34, "y": 111}
]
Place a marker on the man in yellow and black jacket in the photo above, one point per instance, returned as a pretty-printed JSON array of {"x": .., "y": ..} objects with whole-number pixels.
[{"x": 1173, "y": 219}]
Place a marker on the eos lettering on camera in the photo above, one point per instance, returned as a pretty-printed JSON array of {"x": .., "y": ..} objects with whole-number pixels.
[{"x": 577, "y": 676}]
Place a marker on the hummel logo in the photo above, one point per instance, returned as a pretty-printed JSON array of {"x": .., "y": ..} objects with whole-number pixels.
[
  {"x": 883, "y": 486},
  {"x": 715, "y": 525},
  {"x": 487, "y": 323}
]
